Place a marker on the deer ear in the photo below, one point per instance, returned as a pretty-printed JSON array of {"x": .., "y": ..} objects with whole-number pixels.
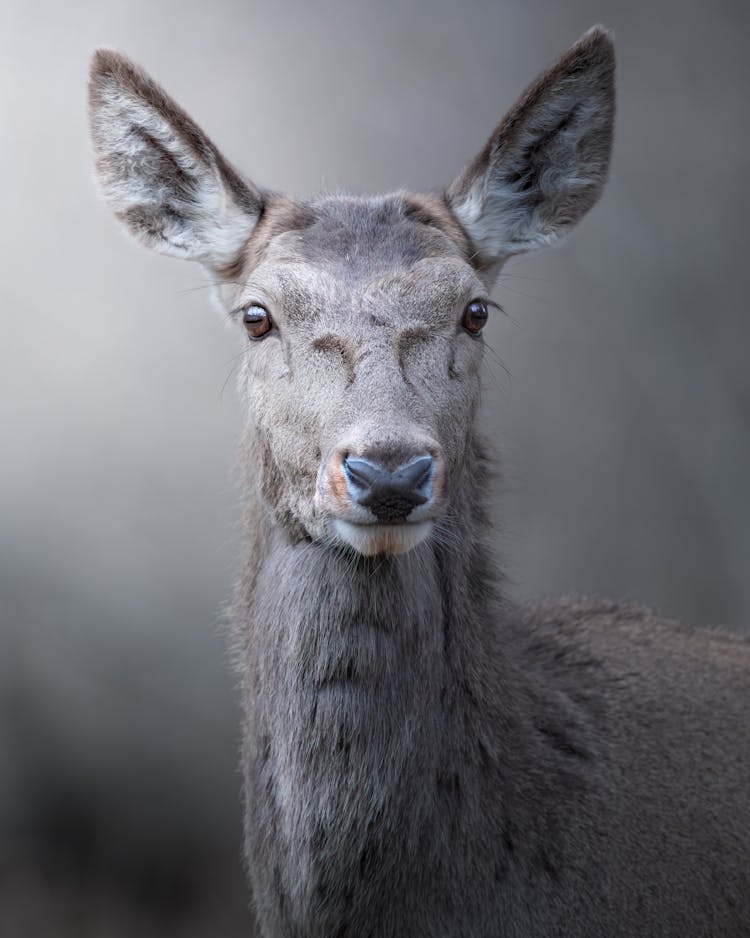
[
  {"x": 546, "y": 163},
  {"x": 161, "y": 175}
]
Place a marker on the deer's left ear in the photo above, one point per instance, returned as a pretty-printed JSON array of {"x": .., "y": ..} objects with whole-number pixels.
[
  {"x": 545, "y": 164},
  {"x": 161, "y": 175}
]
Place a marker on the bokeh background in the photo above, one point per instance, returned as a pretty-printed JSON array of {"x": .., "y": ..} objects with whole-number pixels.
[{"x": 620, "y": 400}]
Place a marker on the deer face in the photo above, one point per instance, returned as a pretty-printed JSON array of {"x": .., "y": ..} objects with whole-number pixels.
[
  {"x": 361, "y": 317},
  {"x": 363, "y": 382}
]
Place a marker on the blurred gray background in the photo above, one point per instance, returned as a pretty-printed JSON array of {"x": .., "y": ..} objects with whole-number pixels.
[{"x": 623, "y": 417}]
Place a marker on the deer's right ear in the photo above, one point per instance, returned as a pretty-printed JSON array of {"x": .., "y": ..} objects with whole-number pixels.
[{"x": 160, "y": 174}]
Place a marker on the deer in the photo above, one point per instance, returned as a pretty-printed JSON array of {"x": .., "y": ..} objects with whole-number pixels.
[{"x": 421, "y": 755}]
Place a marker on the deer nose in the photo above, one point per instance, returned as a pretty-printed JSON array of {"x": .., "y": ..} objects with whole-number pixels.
[{"x": 390, "y": 494}]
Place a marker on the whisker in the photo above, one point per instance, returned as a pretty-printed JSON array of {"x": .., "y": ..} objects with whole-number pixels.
[
  {"x": 514, "y": 276},
  {"x": 497, "y": 359},
  {"x": 235, "y": 362},
  {"x": 209, "y": 285}
]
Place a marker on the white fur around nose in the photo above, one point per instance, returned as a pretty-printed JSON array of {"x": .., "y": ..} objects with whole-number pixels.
[{"x": 373, "y": 539}]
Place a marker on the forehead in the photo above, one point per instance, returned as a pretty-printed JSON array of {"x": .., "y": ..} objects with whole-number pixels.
[
  {"x": 347, "y": 246},
  {"x": 356, "y": 233}
]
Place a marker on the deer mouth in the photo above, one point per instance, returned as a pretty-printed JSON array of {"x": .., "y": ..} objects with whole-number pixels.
[{"x": 371, "y": 539}]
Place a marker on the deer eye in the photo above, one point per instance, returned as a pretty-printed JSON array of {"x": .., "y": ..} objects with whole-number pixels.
[
  {"x": 475, "y": 316},
  {"x": 257, "y": 321}
]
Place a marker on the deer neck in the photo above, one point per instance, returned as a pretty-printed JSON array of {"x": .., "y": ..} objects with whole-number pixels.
[
  {"x": 364, "y": 688},
  {"x": 330, "y": 640},
  {"x": 352, "y": 665}
]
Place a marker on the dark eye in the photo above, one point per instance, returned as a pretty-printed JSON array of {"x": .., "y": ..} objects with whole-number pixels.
[
  {"x": 257, "y": 321},
  {"x": 475, "y": 316}
]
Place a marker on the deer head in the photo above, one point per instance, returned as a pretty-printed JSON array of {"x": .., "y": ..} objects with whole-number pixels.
[{"x": 362, "y": 316}]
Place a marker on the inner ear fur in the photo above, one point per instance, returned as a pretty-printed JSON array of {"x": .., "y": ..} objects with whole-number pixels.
[
  {"x": 546, "y": 163},
  {"x": 160, "y": 173}
]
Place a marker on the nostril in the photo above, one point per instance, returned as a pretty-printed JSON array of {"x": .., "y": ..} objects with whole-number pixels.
[
  {"x": 416, "y": 473},
  {"x": 362, "y": 473}
]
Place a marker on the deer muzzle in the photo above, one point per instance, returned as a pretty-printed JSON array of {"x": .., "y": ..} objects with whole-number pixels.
[{"x": 382, "y": 500}]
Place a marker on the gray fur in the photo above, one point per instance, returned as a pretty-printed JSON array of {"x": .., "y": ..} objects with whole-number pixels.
[
  {"x": 161, "y": 175},
  {"x": 420, "y": 756},
  {"x": 546, "y": 163}
]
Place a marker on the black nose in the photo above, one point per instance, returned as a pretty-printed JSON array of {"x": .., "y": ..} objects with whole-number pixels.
[{"x": 389, "y": 494}]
